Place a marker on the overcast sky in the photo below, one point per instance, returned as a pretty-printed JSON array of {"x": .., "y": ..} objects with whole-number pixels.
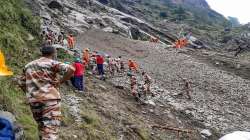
[{"x": 234, "y": 8}]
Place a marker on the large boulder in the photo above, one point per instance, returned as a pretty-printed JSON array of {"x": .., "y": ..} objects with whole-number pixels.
[{"x": 55, "y": 4}]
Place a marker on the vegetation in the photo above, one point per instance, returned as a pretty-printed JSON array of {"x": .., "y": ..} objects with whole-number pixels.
[{"x": 19, "y": 31}]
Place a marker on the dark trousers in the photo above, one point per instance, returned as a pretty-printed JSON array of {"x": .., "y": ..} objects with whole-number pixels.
[
  {"x": 78, "y": 82},
  {"x": 100, "y": 69}
]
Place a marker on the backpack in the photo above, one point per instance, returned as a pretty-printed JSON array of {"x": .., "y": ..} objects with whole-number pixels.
[{"x": 6, "y": 130}]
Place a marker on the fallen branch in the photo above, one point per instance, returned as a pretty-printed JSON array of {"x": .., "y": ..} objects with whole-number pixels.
[{"x": 173, "y": 129}]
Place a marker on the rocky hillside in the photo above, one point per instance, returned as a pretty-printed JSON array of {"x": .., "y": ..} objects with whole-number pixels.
[
  {"x": 219, "y": 83},
  {"x": 165, "y": 19},
  {"x": 175, "y": 15}
]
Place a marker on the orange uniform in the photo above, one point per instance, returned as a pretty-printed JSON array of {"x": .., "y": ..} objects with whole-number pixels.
[
  {"x": 132, "y": 65},
  {"x": 181, "y": 43},
  {"x": 86, "y": 56},
  {"x": 71, "y": 42}
]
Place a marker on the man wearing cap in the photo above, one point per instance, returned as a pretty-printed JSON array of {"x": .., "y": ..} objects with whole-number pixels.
[{"x": 41, "y": 90}]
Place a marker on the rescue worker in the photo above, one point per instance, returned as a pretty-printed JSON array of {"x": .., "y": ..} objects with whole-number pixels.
[
  {"x": 133, "y": 86},
  {"x": 147, "y": 84},
  {"x": 100, "y": 62},
  {"x": 178, "y": 44},
  {"x": 60, "y": 39},
  {"x": 111, "y": 65},
  {"x": 50, "y": 37},
  {"x": 71, "y": 41},
  {"x": 86, "y": 56},
  {"x": 132, "y": 65},
  {"x": 41, "y": 85},
  {"x": 78, "y": 75},
  {"x": 122, "y": 65},
  {"x": 117, "y": 64},
  {"x": 43, "y": 36},
  {"x": 92, "y": 63}
]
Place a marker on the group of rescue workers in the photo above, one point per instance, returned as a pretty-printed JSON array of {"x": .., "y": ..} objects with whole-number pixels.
[{"x": 41, "y": 79}]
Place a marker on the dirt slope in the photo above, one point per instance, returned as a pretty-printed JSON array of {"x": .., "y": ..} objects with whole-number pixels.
[
  {"x": 219, "y": 98},
  {"x": 110, "y": 113}
]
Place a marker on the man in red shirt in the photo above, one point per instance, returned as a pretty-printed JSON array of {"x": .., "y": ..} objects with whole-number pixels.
[
  {"x": 99, "y": 62},
  {"x": 78, "y": 75}
]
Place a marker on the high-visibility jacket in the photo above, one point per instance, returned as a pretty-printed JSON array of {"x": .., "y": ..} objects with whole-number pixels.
[
  {"x": 133, "y": 65},
  {"x": 181, "y": 43},
  {"x": 86, "y": 56}
]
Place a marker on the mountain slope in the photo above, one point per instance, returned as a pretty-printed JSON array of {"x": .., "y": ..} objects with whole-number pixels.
[
  {"x": 174, "y": 16},
  {"x": 193, "y": 11}
]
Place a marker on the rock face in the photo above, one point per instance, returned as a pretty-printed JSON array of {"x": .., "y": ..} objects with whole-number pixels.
[
  {"x": 55, "y": 4},
  {"x": 78, "y": 16}
]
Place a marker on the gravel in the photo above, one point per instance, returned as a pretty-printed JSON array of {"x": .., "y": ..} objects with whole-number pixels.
[{"x": 220, "y": 99}]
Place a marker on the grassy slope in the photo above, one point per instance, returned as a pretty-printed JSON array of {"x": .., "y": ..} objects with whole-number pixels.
[{"x": 16, "y": 23}]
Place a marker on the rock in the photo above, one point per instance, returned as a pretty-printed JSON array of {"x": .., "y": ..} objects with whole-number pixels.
[
  {"x": 143, "y": 112},
  {"x": 102, "y": 87},
  {"x": 108, "y": 29},
  {"x": 151, "y": 110},
  {"x": 188, "y": 112},
  {"x": 176, "y": 94},
  {"x": 30, "y": 37},
  {"x": 206, "y": 133},
  {"x": 135, "y": 33},
  {"x": 160, "y": 90},
  {"x": 238, "y": 66},
  {"x": 55, "y": 4},
  {"x": 89, "y": 72},
  {"x": 151, "y": 103},
  {"x": 119, "y": 87}
]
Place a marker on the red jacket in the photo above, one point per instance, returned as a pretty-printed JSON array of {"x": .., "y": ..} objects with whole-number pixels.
[
  {"x": 80, "y": 69},
  {"x": 99, "y": 60}
]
